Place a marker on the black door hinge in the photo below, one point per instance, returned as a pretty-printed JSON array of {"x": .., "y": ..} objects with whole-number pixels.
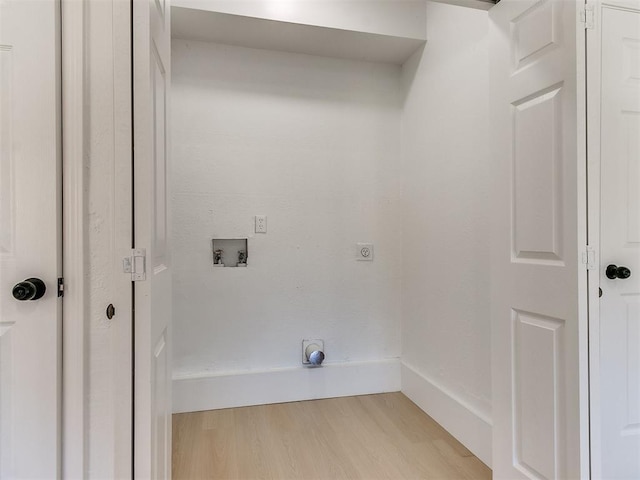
[{"x": 61, "y": 287}]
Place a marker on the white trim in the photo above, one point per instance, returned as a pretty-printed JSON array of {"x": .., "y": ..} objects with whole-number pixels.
[
  {"x": 208, "y": 392},
  {"x": 582, "y": 235},
  {"x": 121, "y": 157},
  {"x": 467, "y": 423},
  {"x": 74, "y": 361},
  {"x": 105, "y": 391},
  {"x": 593, "y": 179}
]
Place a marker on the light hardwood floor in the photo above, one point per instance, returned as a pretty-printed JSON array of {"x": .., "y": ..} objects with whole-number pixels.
[{"x": 364, "y": 437}]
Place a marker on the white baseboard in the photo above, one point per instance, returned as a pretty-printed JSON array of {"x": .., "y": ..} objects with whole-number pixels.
[
  {"x": 468, "y": 424},
  {"x": 209, "y": 392}
]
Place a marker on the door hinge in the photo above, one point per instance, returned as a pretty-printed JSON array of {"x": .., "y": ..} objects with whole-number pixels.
[
  {"x": 136, "y": 264},
  {"x": 60, "y": 287},
  {"x": 589, "y": 258},
  {"x": 587, "y": 16}
]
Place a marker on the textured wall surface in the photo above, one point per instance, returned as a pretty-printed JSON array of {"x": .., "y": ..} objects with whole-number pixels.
[
  {"x": 445, "y": 223},
  {"x": 337, "y": 152},
  {"x": 314, "y": 144}
]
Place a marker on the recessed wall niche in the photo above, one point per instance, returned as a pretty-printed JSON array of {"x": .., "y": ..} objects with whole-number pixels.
[{"x": 229, "y": 252}]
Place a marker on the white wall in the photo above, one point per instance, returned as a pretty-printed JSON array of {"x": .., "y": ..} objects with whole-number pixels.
[
  {"x": 336, "y": 152},
  {"x": 314, "y": 144},
  {"x": 445, "y": 226},
  {"x": 402, "y": 18}
]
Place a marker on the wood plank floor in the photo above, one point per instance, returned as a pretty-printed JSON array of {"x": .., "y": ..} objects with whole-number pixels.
[{"x": 365, "y": 437}]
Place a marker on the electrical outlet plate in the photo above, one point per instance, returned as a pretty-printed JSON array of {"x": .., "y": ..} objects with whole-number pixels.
[
  {"x": 306, "y": 343},
  {"x": 261, "y": 224},
  {"x": 364, "y": 252}
]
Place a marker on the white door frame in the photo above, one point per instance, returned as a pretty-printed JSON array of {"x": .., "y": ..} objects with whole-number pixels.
[
  {"x": 96, "y": 139},
  {"x": 593, "y": 232},
  {"x": 583, "y": 236},
  {"x": 594, "y": 51},
  {"x": 74, "y": 360}
]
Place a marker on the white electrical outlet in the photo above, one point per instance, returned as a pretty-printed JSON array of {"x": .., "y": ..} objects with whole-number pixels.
[
  {"x": 261, "y": 224},
  {"x": 364, "y": 252}
]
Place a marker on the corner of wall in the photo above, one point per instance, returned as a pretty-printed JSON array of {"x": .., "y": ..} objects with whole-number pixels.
[
  {"x": 446, "y": 316},
  {"x": 466, "y": 423}
]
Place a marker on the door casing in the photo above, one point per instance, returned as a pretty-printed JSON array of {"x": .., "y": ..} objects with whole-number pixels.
[
  {"x": 96, "y": 113},
  {"x": 74, "y": 380}
]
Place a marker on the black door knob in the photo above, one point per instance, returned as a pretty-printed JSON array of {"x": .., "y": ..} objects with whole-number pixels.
[
  {"x": 30, "y": 289},
  {"x": 613, "y": 271}
]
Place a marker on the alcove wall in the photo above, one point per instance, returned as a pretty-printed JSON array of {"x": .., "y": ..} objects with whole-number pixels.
[
  {"x": 313, "y": 143},
  {"x": 335, "y": 152}
]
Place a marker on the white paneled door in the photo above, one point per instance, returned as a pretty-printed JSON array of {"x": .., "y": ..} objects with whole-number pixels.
[
  {"x": 620, "y": 245},
  {"x": 30, "y": 310},
  {"x": 152, "y": 66},
  {"x": 536, "y": 271}
]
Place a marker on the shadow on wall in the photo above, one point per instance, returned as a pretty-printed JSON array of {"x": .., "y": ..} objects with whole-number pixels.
[{"x": 281, "y": 74}]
